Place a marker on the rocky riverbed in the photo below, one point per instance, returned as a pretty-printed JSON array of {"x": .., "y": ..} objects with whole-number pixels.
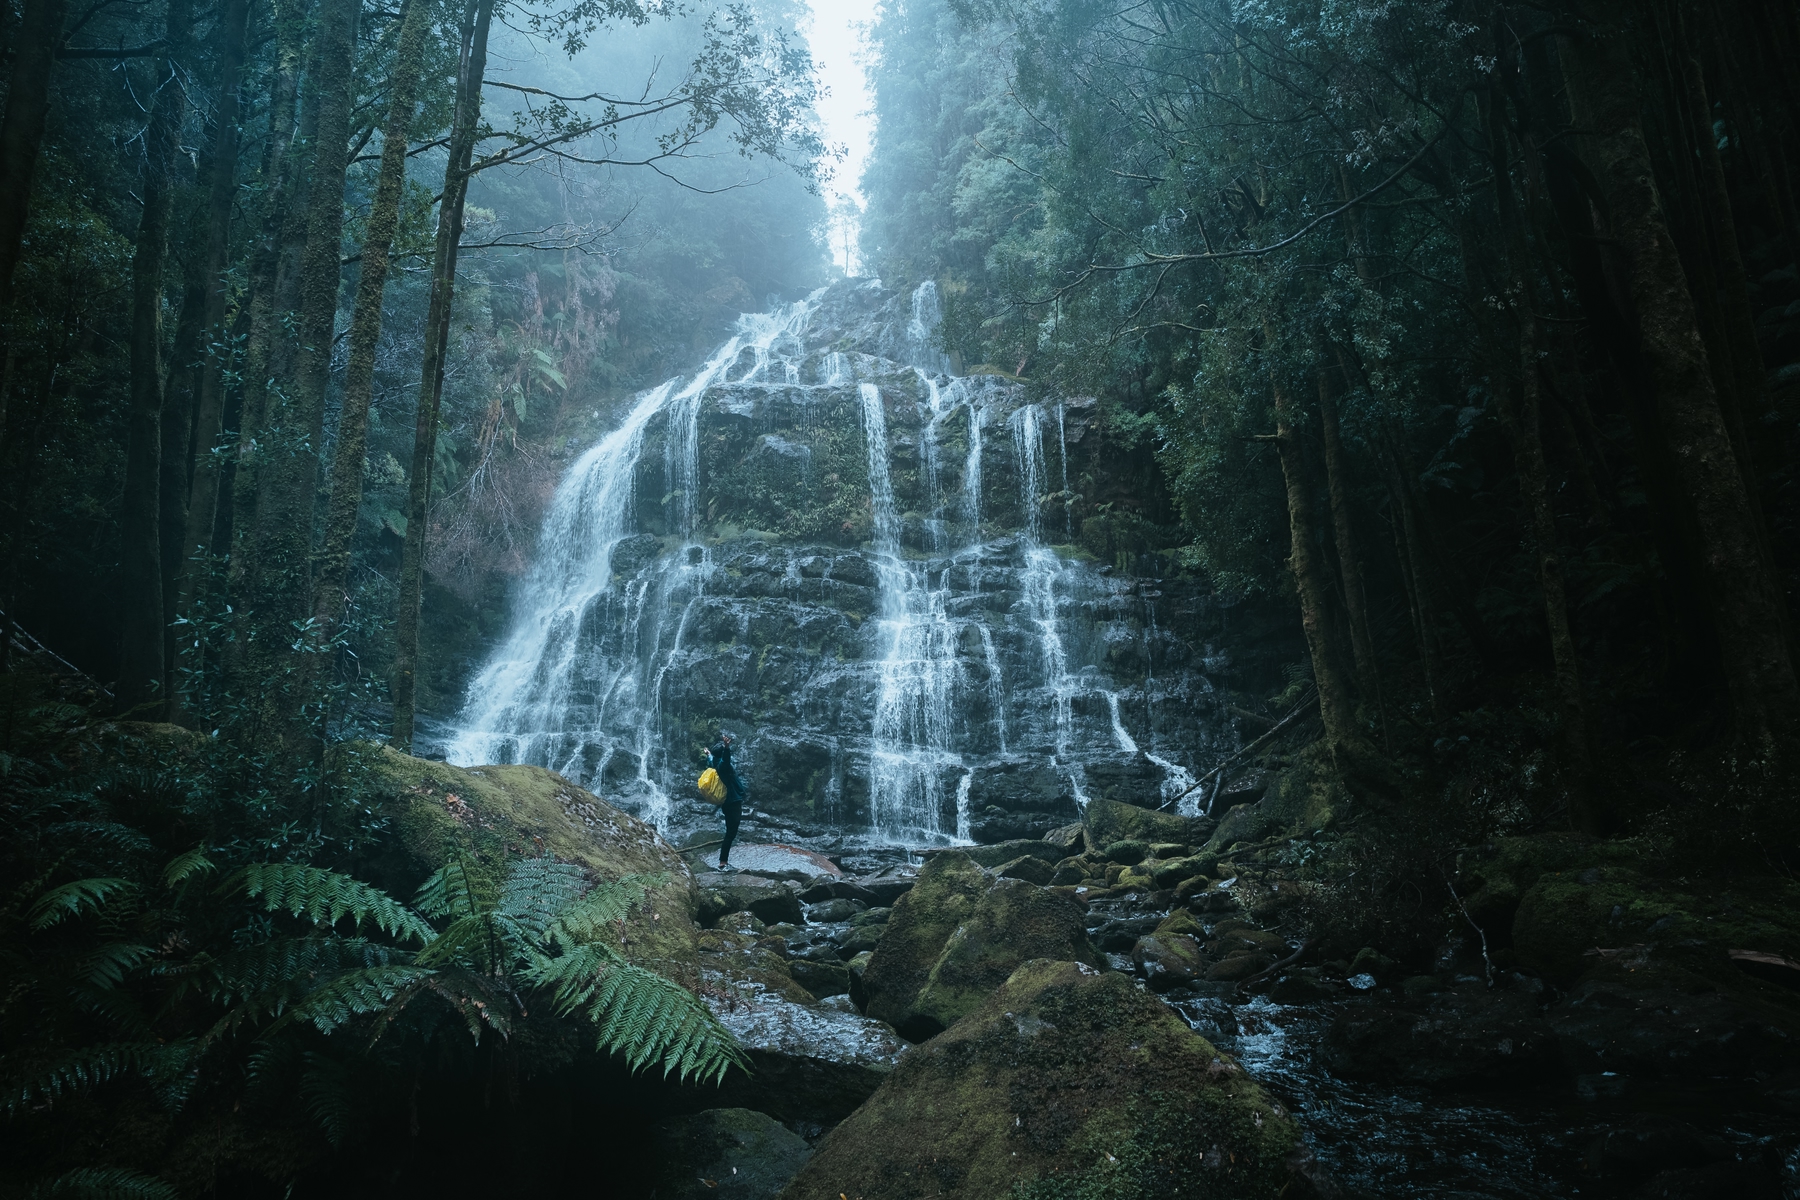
[{"x": 1125, "y": 1007}]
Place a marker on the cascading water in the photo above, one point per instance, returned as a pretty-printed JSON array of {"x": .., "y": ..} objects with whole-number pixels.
[
  {"x": 836, "y": 570},
  {"x": 523, "y": 706}
]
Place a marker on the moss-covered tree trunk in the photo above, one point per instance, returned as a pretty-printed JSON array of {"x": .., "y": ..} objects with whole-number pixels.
[
  {"x": 471, "y": 68},
  {"x": 1349, "y": 552},
  {"x": 1337, "y": 705},
  {"x": 1746, "y": 606},
  {"x": 365, "y": 323},
  {"x": 142, "y": 620}
]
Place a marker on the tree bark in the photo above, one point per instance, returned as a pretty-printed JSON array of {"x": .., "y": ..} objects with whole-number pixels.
[
  {"x": 22, "y": 128},
  {"x": 1747, "y": 609},
  {"x": 1362, "y": 643},
  {"x": 471, "y": 69},
  {"x": 142, "y": 618},
  {"x": 222, "y": 188},
  {"x": 365, "y": 324},
  {"x": 274, "y": 273},
  {"x": 1336, "y": 702},
  {"x": 290, "y": 479}
]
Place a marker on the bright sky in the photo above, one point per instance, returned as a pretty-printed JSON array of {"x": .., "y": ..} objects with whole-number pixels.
[{"x": 835, "y": 33}]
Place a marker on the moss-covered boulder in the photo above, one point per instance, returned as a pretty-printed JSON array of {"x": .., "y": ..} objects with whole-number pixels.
[
  {"x": 1168, "y": 960},
  {"x": 1029, "y": 868},
  {"x": 943, "y": 897},
  {"x": 1066, "y": 1082},
  {"x": 1494, "y": 879},
  {"x": 490, "y": 816},
  {"x": 1110, "y": 821},
  {"x": 1013, "y": 922},
  {"x": 723, "y": 1153}
]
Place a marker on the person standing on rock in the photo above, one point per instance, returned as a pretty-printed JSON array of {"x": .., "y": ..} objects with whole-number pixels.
[{"x": 719, "y": 758}]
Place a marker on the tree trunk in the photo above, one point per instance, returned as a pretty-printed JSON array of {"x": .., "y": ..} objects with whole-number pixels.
[
  {"x": 274, "y": 273},
  {"x": 22, "y": 128},
  {"x": 471, "y": 69},
  {"x": 1746, "y": 607},
  {"x": 365, "y": 324},
  {"x": 290, "y": 479},
  {"x": 222, "y": 188},
  {"x": 1336, "y": 703},
  {"x": 1348, "y": 552},
  {"x": 140, "y": 555}
]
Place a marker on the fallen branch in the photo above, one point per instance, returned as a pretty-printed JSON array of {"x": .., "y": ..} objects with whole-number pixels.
[
  {"x": 1276, "y": 966},
  {"x": 1300, "y": 709}
]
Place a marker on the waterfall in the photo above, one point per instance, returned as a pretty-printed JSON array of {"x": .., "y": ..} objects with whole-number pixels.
[
  {"x": 910, "y": 752},
  {"x": 891, "y": 689},
  {"x": 522, "y": 706}
]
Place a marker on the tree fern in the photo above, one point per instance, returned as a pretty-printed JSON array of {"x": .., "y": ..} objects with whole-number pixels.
[
  {"x": 537, "y": 889},
  {"x": 326, "y": 897},
  {"x": 71, "y": 898},
  {"x": 326, "y": 1092},
  {"x": 183, "y": 867},
  {"x": 106, "y": 1183}
]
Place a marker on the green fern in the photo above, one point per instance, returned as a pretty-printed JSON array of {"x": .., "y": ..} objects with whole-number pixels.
[
  {"x": 71, "y": 898},
  {"x": 537, "y": 890},
  {"x": 106, "y": 966},
  {"x": 327, "y": 1094},
  {"x": 449, "y": 892},
  {"x": 183, "y": 867},
  {"x": 106, "y": 1183},
  {"x": 648, "y": 1018},
  {"x": 608, "y": 902},
  {"x": 352, "y": 994},
  {"x": 79, "y": 1070},
  {"x": 326, "y": 897}
]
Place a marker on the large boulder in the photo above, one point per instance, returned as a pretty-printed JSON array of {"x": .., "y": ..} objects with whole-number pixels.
[
  {"x": 491, "y": 816},
  {"x": 1067, "y": 1081},
  {"x": 1013, "y": 922},
  {"x": 1110, "y": 821},
  {"x": 810, "y": 1063},
  {"x": 943, "y": 897},
  {"x": 725, "y": 1153}
]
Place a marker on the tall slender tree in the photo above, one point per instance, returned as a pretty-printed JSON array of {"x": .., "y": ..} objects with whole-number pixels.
[
  {"x": 365, "y": 322},
  {"x": 471, "y": 69},
  {"x": 142, "y": 621}
]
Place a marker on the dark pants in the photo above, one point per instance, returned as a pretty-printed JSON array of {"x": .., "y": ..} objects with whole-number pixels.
[{"x": 733, "y": 808}]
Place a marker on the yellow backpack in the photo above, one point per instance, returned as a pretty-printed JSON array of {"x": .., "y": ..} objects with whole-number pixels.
[{"x": 712, "y": 788}]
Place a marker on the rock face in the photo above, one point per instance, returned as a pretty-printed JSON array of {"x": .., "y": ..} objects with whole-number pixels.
[
  {"x": 1065, "y": 1082},
  {"x": 725, "y": 1154},
  {"x": 864, "y": 568}
]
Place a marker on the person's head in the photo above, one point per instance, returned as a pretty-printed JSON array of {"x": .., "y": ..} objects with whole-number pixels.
[{"x": 725, "y": 737}]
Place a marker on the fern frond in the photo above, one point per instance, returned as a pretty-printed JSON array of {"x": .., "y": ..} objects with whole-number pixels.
[
  {"x": 106, "y": 1183},
  {"x": 472, "y": 941},
  {"x": 352, "y": 994},
  {"x": 72, "y": 898},
  {"x": 572, "y": 976},
  {"x": 264, "y": 980},
  {"x": 107, "y": 966},
  {"x": 91, "y": 1066},
  {"x": 537, "y": 889},
  {"x": 326, "y": 1093},
  {"x": 652, "y": 1020},
  {"x": 327, "y": 897},
  {"x": 477, "y": 999},
  {"x": 184, "y": 866},
  {"x": 449, "y": 892},
  {"x": 608, "y": 902}
]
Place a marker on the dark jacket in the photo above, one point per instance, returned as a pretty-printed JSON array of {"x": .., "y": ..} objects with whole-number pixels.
[{"x": 719, "y": 755}]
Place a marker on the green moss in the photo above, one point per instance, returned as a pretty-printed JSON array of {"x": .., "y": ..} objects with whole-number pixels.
[
  {"x": 1066, "y": 1083},
  {"x": 1014, "y": 921},
  {"x": 502, "y": 813}
]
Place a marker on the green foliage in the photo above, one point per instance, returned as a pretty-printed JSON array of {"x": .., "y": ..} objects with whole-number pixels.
[
  {"x": 106, "y": 1183},
  {"x": 71, "y": 898},
  {"x": 326, "y": 897}
]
